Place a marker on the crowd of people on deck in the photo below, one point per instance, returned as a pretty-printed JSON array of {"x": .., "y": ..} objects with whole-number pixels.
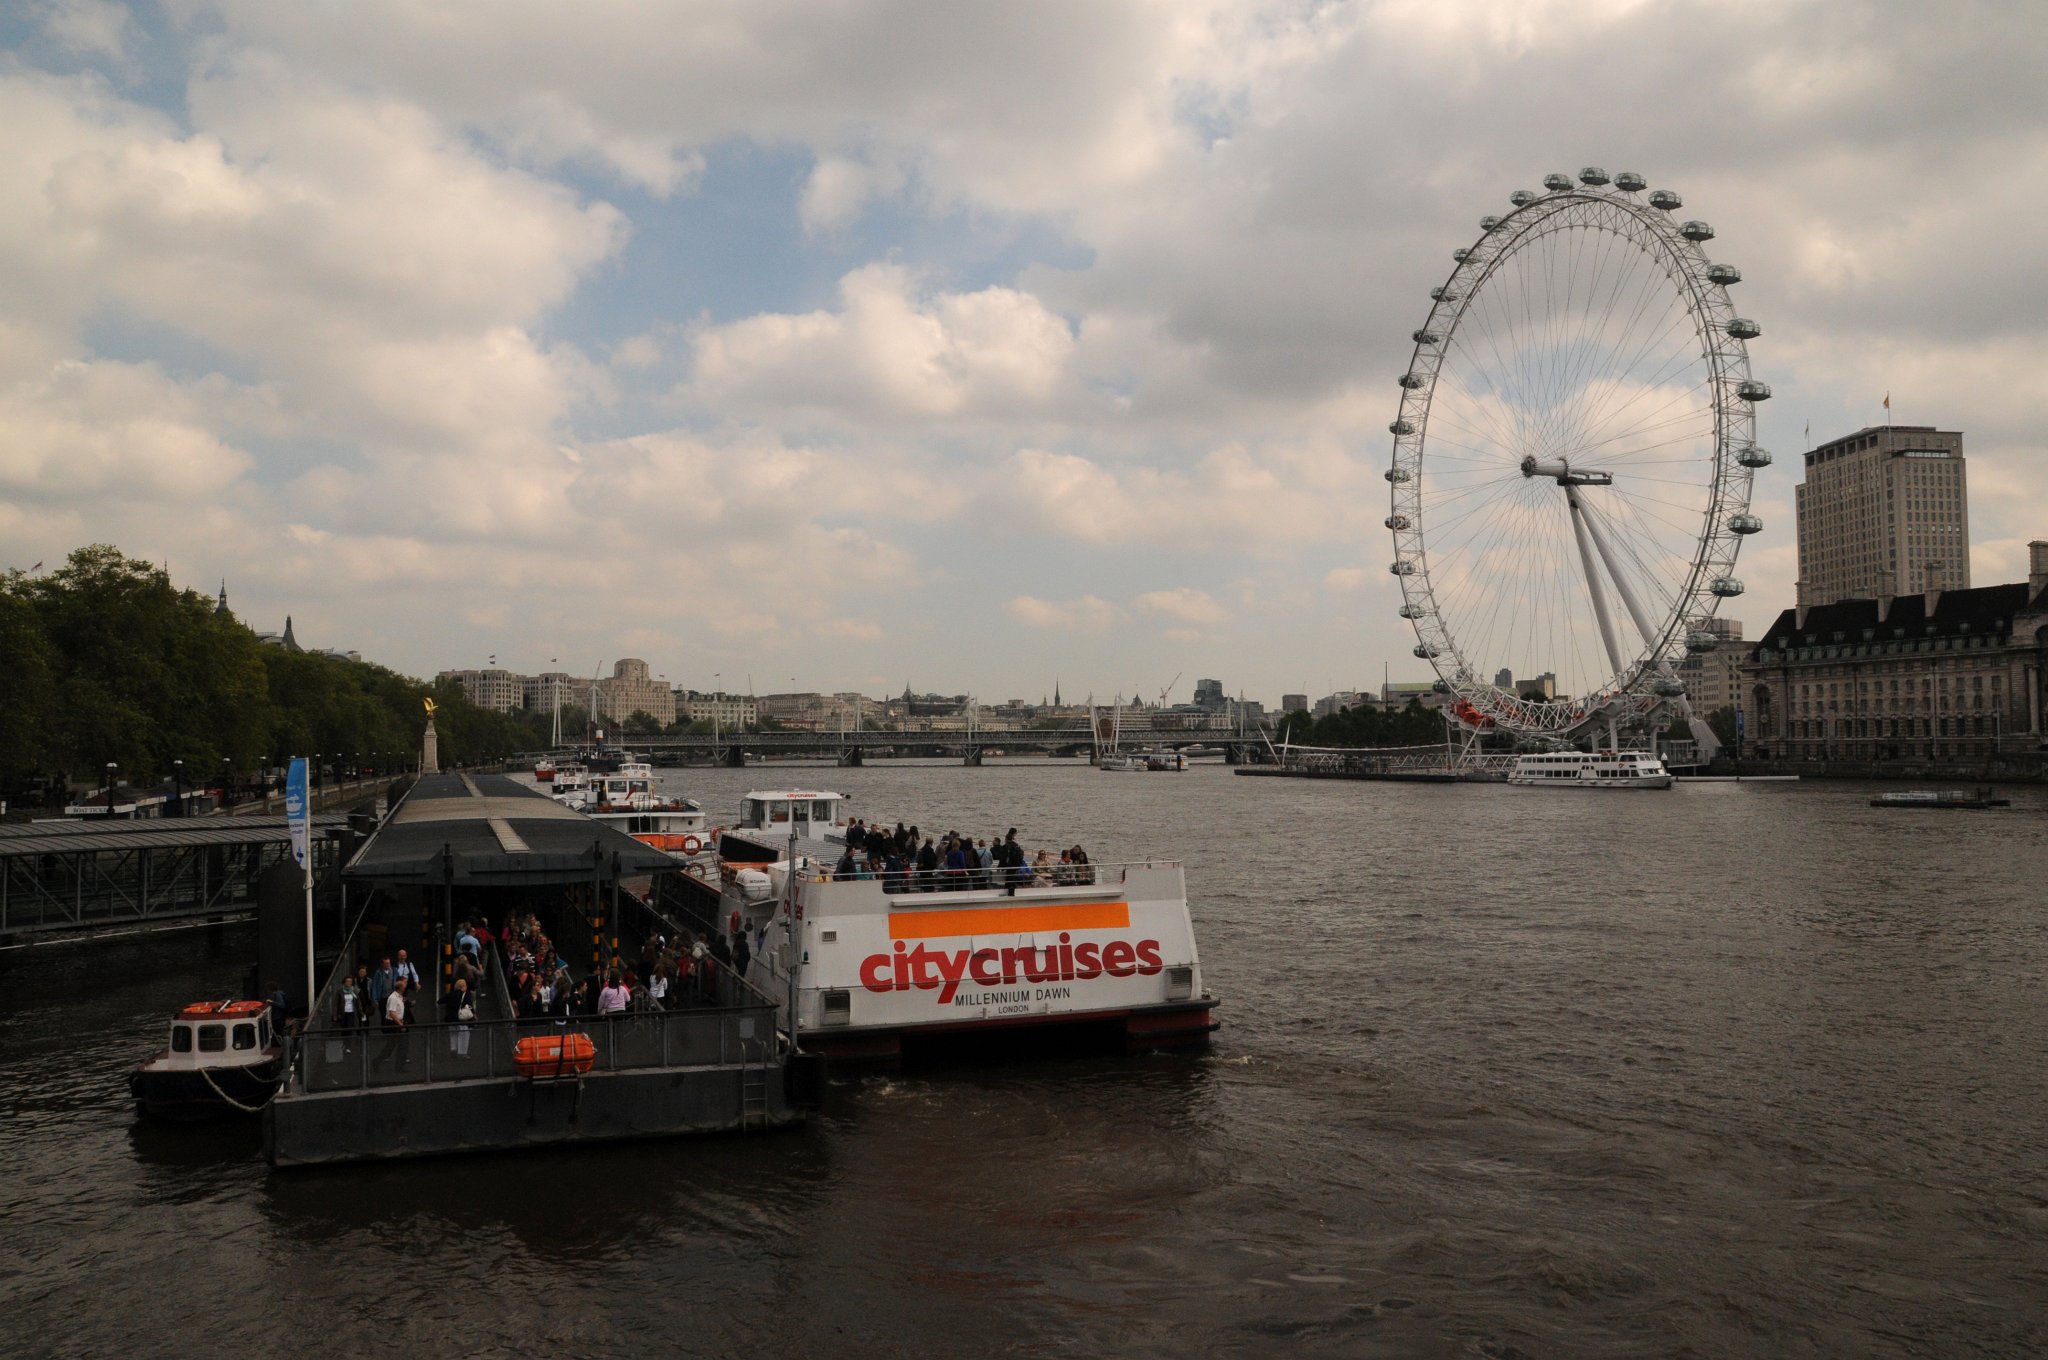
[
  {"x": 670, "y": 975},
  {"x": 906, "y": 860}
]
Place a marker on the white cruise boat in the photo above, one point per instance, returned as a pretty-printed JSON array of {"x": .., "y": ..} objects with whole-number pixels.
[
  {"x": 1102, "y": 950},
  {"x": 1590, "y": 770}
]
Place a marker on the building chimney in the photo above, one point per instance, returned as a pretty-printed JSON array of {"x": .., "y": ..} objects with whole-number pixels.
[
  {"x": 2037, "y": 569},
  {"x": 1932, "y": 571}
]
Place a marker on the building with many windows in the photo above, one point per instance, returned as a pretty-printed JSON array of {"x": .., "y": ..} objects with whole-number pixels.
[
  {"x": 728, "y": 711},
  {"x": 493, "y": 689},
  {"x": 1883, "y": 511},
  {"x": 1714, "y": 680},
  {"x": 1938, "y": 675},
  {"x": 630, "y": 689}
]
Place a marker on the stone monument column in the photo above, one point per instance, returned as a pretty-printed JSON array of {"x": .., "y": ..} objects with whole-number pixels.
[{"x": 430, "y": 747}]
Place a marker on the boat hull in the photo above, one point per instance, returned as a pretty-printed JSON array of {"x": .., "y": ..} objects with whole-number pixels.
[
  {"x": 1176, "y": 1025},
  {"x": 184, "y": 1094}
]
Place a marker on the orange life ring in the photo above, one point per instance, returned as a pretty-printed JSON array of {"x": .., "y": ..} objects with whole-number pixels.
[
  {"x": 691, "y": 845},
  {"x": 694, "y": 870},
  {"x": 735, "y": 924}
]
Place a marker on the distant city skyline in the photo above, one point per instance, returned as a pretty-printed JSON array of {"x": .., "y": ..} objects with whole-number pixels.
[{"x": 785, "y": 345}]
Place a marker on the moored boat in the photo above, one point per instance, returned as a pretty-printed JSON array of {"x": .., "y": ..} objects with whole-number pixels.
[
  {"x": 544, "y": 771},
  {"x": 884, "y": 964},
  {"x": 224, "y": 1058},
  {"x": 1940, "y": 798}
]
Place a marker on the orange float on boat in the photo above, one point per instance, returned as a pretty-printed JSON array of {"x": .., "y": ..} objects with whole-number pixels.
[{"x": 553, "y": 1055}]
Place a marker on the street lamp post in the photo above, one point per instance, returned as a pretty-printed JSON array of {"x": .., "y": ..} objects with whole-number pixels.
[
  {"x": 178, "y": 786},
  {"x": 111, "y": 767}
]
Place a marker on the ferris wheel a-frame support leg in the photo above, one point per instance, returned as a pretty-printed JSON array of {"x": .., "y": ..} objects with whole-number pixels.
[
  {"x": 1628, "y": 597},
  {"x": 1582, "y": 530}
]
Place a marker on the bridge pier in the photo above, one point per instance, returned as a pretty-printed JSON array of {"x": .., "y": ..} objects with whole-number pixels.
[
  {"x": 734, "y": 757},
  {"x": 850, "y": 756},
  {"x": 973, "y": 756}
]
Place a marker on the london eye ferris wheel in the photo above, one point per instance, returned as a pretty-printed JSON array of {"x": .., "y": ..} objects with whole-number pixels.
[{"x": 1573, "y": 458}]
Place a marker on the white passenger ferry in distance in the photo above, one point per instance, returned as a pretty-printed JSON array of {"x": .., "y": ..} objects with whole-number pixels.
[
  {"x": 882, "y": 963},
  {"x": 1590, "y": 770}
]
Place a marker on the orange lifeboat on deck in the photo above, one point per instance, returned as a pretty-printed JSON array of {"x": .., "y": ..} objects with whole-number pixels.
[{"x": 547, "y": 1056}]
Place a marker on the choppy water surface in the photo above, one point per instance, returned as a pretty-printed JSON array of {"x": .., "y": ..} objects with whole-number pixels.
[{"x": 1730, "y": 1070}]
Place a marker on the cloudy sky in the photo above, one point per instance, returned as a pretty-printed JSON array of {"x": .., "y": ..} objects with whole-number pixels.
[{"x": 845, "y": 345}]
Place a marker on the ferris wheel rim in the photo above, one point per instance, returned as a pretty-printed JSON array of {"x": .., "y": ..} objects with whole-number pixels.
[{"x": 1721, "y": 338}]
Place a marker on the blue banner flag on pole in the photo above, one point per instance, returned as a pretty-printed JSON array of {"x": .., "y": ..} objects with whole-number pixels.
[{"x": 296, "y": 808}]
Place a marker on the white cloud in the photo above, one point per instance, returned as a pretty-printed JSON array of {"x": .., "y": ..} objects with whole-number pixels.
[
  {"x": 1184, "y": 603},
  {"x": 889, "y": 351},
  {"x": 1088, "y": 614}
]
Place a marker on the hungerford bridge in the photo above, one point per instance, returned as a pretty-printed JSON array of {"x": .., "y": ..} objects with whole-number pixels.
[{"x": 1241, "y": 743}]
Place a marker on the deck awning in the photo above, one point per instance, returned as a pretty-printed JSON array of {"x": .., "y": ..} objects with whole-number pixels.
[{"x": 490, "y": 830}]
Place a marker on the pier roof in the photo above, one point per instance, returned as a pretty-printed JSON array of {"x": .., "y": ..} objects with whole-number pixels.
[
  {"x": 86, "y": 835},
  {"x": 487, "y": 829}
]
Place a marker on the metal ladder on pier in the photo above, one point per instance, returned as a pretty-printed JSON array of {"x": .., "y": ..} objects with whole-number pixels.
[{"x": 754, "y": 1093}]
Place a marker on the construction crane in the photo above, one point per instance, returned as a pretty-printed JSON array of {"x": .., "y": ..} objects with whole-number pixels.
[{"x": 1169, "y": 687}]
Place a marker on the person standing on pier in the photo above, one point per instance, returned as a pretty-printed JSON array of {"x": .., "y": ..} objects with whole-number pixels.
[
  {"x": 407, "y": 973},
  {"x": 741, "y": 955},
  {"x": 382, "y": 983},
  {"x": 395, "y": 1020}
]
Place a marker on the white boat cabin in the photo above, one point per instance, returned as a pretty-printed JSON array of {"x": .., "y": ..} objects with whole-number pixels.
[
  {"x": 219, "y": 1034},
  {"x": 776, "y": 812}
]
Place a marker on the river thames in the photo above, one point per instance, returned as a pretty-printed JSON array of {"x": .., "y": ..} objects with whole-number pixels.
[{"x": 1729, "y": 1070}]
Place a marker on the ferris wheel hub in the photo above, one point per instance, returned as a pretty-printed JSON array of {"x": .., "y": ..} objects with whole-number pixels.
[{"x": 1563, "y": 473}]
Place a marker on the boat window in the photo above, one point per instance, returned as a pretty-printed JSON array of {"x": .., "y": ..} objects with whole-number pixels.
[
  {"x": 181, "y": 1038},
  {"x": 821, "y": 811},
  {"x": 263, "y": 1032},
  {"x": 778, "y": 810},
  {"x": 213, "y": 1038},
  {"x": 245, "y": 1036}
]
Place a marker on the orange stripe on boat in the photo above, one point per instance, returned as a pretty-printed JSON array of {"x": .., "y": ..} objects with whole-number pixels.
[{"x": 929, "y": 925}]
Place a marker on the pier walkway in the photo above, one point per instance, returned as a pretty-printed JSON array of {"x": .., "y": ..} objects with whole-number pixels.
[{"x": 80, "y": 876}]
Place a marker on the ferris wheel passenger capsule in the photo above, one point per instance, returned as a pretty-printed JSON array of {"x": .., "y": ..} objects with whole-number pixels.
[
  {"x": 1441, "y": 687},
  {"x": 1667, "y": 687},
  {"x": 1745, "y": 523},
  {"x": 1397, "y": 475},
  {"x": 1742, "y": 328},
  {"x": 1727, "y": 587},
  {"x": 1522, "y": 198},
  {"x": 1397, "y": 522},
  {"x": 1424, "y": 337},
  {"x": 1696, "y": 230},
  {"x": 1442, "y": 294},
  {"x": 1749, "y": 389},
  {"x": 1402, "y": 567},
  {"x": 1666, "y": 199},
  {"x": 1460, "y": 253},
  {"x": 1425, "y": 651},
  {"x": 1401, "y": 427},
  {"x": 1629, "y": 182},
  {"x": 1723, "y": 274},
  {"x": 1488, "y": 222},
  {"x": 1557, "y": 184},
  {"x": 1750, "y": 456},
  {"x": 1593, "y": 176},
  {"x": 1412, "y": 381},
  {"x": 1409, "y": 611},
  {"x": 1700, "y": 640}
]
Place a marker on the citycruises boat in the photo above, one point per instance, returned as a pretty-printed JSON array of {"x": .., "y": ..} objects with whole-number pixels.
[
  {"x": 224, "y": 1058},
  {"x": 1590, "y": 770},
  {"x": 1098, "y": 951},
  {"x": 544, "y": 771}
]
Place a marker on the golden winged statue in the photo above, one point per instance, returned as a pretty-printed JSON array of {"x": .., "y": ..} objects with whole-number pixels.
[{"x": 430, "y": 707}]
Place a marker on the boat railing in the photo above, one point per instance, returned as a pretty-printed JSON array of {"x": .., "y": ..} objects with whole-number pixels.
[
  {"x": 1095, "y": 874},
  {"x": 339, "y": 1060}
]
